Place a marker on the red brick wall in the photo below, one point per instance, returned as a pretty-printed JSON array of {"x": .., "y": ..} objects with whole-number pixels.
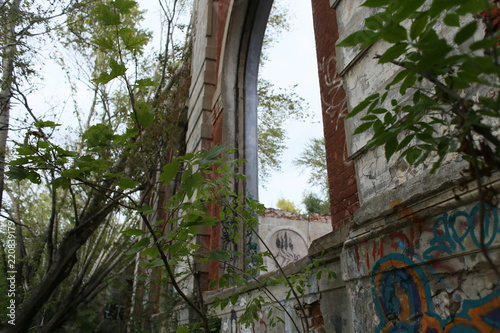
[
  {"x": 341, "y": 173},
  {"x": 213, "y": 269},
  {"x": 222, "y": 12}
]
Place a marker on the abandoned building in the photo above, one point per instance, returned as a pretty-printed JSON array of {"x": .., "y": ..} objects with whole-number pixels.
[{"x": 400, "y": 243}]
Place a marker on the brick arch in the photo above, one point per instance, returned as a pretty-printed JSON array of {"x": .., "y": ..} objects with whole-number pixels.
[
  {"x": 238, "y": 74},
  {"x": 241, "y": 26}
]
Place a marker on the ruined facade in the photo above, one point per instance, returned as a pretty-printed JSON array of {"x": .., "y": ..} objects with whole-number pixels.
[{"x": 405, "y": 251}]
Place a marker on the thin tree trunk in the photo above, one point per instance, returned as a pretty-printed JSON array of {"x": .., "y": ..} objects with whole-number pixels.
[
  {"x": 77, "y": 296},
  {"x": 9, "y": 51}
]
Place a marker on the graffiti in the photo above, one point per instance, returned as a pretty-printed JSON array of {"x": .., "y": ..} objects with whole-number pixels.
[
  {"x": 460, "y": 231},
  {"x": 450, "y": 232},
  {"x": 287, "y": 252},
  {"x": 113, "y": 311},
  {"x": 251, "y": 247},
  {"x": 333, "y": 99},
  {"x": 374, "y": 250},
  {"x": 403, "y": 302}
]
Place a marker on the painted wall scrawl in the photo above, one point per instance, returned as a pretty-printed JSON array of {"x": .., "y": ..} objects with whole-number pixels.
[
  {"x": 450, "y": 233},
  {"x": 460, "y": 230},
  {"x": 404, "y": 302},
  {"x": 431, "y": 276},
  {"x": 288, "y": 247}
]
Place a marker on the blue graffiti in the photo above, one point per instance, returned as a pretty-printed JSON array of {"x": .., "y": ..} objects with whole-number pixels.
[
  {"x": 403, "y": 302},
  {"x": 450, "y": 231}
]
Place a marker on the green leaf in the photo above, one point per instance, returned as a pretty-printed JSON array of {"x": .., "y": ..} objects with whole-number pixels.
[
  {"x": 393, "y": 33},
  {"x": 151, "y": 252},
  {"x": 370, "y": 117},
  {"x": 170, "y": 171},
  {"x": 27, "y": 150},
  {"x": 125, "y": 6},
  {"x": 219, "y": 255},
  {"x": 146, "y": 210},
  {"x": 20, "y": 161},
  {"x": 412, "y": 154},
  {"x": 144, "y": 84},
  {"x": 132, "y": 40},
  {"x": 379, "y": 111},
  {"x": 34, "y": 177},
  {"x": 486, "y": 43},
  {"x": 376, "y": 22},
  {"x": 440, "y": 6},
  {"x": 103, "y": 78},
  {"x": 45, "y": 124},
  {"x": 408, "y": 82},
  {"x": 104, "y": 43},
  {"x": 191, "y": 182},
  {"x": 72, "y": 173},
  {"x": 364, "y": 38},
  {"x": 418, "y": 26},
  {"x": 98, "y": 135},
  {"x": 211, "y": 155},
  {"x": 117, "y": 69},
  {"x": 105, "y": 14},
  {"x": 406, "y": 8},
  {"x": 363, "y": 128},
  {"x": 127, "y": 183},
  {"x": 152, "y": 263},
  {"x": 145, "y": 114},
  {"x": 393, "y": 53},
  {"x": 18, "y": 173},
  {"x": 139, "y": 246},
  {"x": 363, "y": 105},
  {"x": 391, "y": 146},
  {"x": 183, "y": 329},
  {"x": 472, "y": 7},
  {"x": 465, "y": 33},
  {"x": 45, "y": 145},
  {"x": 375, "y": 3},
  {"x": 61, "y": 182},
  {"x": 405, "y": 142},
  {"x": 398, "y": 78},
  {"x": 134, "y": 232},
  {"x": 452, "y": 20}
]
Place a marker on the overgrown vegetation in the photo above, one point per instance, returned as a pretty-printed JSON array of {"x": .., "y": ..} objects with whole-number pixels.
[{"x": 70, "y": 199}]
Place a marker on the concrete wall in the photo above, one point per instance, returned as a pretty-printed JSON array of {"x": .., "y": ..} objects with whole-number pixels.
[
  {"x": 412, "y": 259},
  {"x": 289, "y": 236}
]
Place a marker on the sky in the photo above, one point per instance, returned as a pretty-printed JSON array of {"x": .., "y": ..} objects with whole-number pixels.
[{"x": 293, "y": 61}]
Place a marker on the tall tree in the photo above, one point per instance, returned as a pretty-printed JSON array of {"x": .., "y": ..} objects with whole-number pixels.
[
  {"x": 9, "y": 13},
  {"x": 313, "y": 158},
  {"x": 135, "y": 125}
]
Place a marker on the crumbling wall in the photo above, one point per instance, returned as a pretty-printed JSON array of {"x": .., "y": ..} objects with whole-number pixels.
[
  {"x": 324, "y": 300},
  {"x": 413, "y": 259},
  {"x": 288, "y": 235},
  {"x": 422, "y": 267}
]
